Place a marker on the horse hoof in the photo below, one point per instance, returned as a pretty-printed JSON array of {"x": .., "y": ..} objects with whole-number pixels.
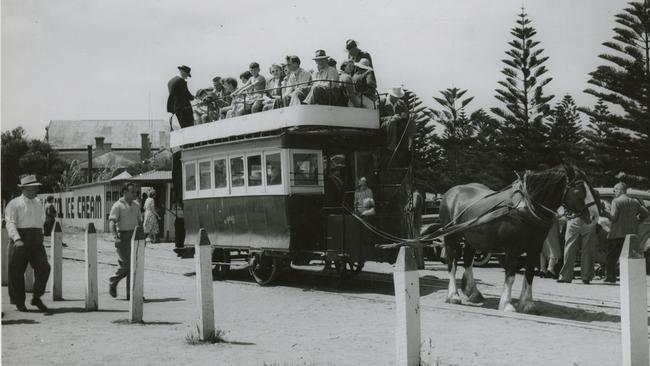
[
  {"x": 509, "y": 308},
  {"x": 454, "y": 300},
  {"x": 528, "y": 308},
  {"x": 476, "y": 298}
]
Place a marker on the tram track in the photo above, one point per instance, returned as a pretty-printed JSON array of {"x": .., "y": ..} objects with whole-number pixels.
[{"x": 314, "y": 281}]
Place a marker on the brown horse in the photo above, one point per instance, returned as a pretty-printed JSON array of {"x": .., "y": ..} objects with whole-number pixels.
[{"x": 515, "y": 221}]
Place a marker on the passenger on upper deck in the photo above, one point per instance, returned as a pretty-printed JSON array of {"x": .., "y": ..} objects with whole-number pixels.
[
  {"x": 258, "y": 83},
  {"x": 238, "y": 105},
  {"x": 349, "y": 95},
  {"x": 394, "y": 115},
  {"x": 179, "y": 99},
  {"x": 321, "y": 91},
  {"x": 273, "y": 96},
  {"x": 365, "y": 83},
  {"x": 297, "y": 79},
  {"x": 355, "y": 54}
]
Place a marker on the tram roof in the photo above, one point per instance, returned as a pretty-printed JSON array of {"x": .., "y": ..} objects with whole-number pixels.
[{"x": 277, "y": 119}]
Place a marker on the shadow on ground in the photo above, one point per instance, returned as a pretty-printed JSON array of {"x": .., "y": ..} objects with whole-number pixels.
[
  {"x": 128, "y": 322},
  {"x": 164, "y": 299},
  {"x": 19, "y": 322},
  {"x": 54, "y": 311}
]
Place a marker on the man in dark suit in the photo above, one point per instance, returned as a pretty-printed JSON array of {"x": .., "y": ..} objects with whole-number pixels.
[
  {"x": 625, "y": 214},
  {"x": 179, "y": 99}
]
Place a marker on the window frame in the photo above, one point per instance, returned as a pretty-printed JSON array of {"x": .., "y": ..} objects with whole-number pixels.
[
  {"x": 239, "y": 190},
  {"x": 255, "y": 189},
  {"x": 298, "y": 188},
  {"x": 206, "y": 191},
  {"x": 193, "y": 193},
  {"x": 221, "y": 191}
]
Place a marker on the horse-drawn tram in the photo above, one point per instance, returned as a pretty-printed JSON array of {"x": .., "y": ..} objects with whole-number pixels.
[{"x": 276, "y": 188}]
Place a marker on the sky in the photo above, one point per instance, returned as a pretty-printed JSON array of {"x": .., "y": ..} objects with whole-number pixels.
[{"x": 95, "y": 59}]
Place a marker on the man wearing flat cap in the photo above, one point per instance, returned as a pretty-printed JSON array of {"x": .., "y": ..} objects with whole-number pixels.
[
  {"x": 24, "y": 220},
  {"x": 355, "y": 54},
  {"x": 179, "y": 99}
]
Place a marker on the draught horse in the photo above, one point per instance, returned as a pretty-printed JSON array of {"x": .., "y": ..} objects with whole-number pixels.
[{"x": 515, "y": 221}]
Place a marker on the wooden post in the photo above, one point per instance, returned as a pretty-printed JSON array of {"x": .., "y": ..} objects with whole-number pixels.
[
  {"x": 56, "y": 254},
  {"x": 137, "y": 275},
  {"x": 204, "y": 292},
  {"x": 29, "y": 278},
  {"x": 5, "y": 255},
  {"x": 92, "y": 294},
  {"x": 634, "y": 304},
  {"x": 407, "y": 299}
]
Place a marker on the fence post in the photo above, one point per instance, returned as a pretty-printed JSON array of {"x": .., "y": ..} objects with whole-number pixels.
[
  {"x": 204, "y": 291},
  {"x": 92, "y": 295},
  {"x": 5, "y": 255},
  {"x": 634, "y": 303},
  {"x": 56, "y": 253},
  {"x": 407, "y": 299},
  {"x": 137, "y": 275}
]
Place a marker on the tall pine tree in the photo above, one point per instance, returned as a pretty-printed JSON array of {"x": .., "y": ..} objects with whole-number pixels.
[
  {"x": 524, "y": 131},
  {"x": 624, "y": 83},
  {"x": 565, "y": 135}
]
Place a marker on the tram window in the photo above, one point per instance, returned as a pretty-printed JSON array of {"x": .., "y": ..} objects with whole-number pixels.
[
  {"x": 237, "y": 171},
  {"x": 204, "y": 175},
  {"x": 273, "y": 169},
  {"x": 220, "y": 173},
  {"x": 254, "y": 170},
  {"x": 190, "y": 177},
  {"x": 305, "y": 169}
]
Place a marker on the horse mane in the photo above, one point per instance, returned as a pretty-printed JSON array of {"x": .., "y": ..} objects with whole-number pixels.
[{"x": 547, "y": 187}]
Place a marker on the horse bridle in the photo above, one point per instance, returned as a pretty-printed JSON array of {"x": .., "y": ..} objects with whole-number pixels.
[{"x": 569, "y": 214}]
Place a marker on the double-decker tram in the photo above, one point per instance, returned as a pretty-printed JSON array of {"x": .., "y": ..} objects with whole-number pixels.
[{"x": 276, "y": 188}]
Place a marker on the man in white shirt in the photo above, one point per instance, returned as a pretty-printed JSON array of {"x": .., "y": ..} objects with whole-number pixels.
[
  {"x": 324, "y": 82},
  {"x": 297, "y": 80},
  {"x": 24, "y": 220}
]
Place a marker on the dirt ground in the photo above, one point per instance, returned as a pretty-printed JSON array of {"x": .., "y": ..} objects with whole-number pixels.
[{"x": 306, "y": 320}]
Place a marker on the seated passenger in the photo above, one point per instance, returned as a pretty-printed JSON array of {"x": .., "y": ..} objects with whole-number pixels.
[
  {"x": 368, "y": 207},
  {"x": 350, "y": 97},
  {"x": 360, "y": 194},
  {"x": 238, "y": 106},
  {"x": 322, "y": 90},
  {"x": 230, "y": 86},
  {"x": 355, "y": 54},
  {"x": 214, "y": 100},
  {"x": 297, "y": 80},
  {"x": 255, "y": 92},
  {"x": 273, "y": 96},
  {"x": 393, "y": 116},
  {"x": 365, "y": 83}
]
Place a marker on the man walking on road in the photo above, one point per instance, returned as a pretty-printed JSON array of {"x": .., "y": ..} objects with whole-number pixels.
[
  {"x": 124, "y": 217},
  {"x": 625, "y": 214},
  {"x": 580, "y": 233},
  {"x": 24, "y": 219}
]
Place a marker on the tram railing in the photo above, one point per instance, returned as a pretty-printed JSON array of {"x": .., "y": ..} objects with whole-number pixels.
[{"x": 335, "y": 93}]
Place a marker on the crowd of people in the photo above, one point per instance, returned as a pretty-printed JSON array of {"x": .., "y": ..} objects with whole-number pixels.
[{"x": 289, "y": 84}]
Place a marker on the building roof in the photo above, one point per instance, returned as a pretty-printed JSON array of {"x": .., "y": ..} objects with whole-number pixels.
[
  {"x": 108, "y": 160},
  {"x": 122, "y": 134},
  {"x": 122, "y": 176},
  {"x": 152, "y": 175}
]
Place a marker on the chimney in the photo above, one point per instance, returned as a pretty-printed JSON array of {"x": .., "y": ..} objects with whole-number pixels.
[
  {"x": 99, "y": 144},
  {"x": 90, "y": 163},
  {"x": 108, "y": 146},
  {"x": 145, "y": 150}
]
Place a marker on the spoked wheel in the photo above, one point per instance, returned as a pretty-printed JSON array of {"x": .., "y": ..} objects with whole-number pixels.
[
  {"x": 481, "y": 258},
  {"x": 264, "y": 269},
  {"x": 347, "y": 269},
  {"x": 222, "y": 259}
]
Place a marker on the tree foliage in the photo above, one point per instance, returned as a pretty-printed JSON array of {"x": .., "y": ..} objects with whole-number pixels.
[
  {"x": 624, "y": 84},
  {"x": 565, "y": 134}
]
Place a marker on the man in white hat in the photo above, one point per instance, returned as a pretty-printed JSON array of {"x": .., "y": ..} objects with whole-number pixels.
[
  {"x": 394, "y": 114},
  {"x": 24, "y": 220},
  {"x": 321, "y": 88}
]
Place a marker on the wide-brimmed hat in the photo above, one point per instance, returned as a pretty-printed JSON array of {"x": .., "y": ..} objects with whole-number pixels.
[
  {"x": 320, "y": 55},
  {"x": 364, "y": 63},
  {"x": 396, "y": 91},
  {"x": 187, "y": 69},
  {"x": 29, "y": 181},
  {"x": 350, "y": 44}
]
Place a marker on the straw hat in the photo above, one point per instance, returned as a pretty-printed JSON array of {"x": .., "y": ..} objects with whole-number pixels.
[
  {"x": 396, "y": 91},
  {"x": 29, "y": 181}
]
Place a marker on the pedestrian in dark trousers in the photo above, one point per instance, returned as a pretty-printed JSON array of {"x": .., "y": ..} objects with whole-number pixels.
[
  {"x": 50, "y": 216},
  {"x": 24, "y": 221},
  {"x": 124, "y": 218},
  {"x": 625, "y": 214}
]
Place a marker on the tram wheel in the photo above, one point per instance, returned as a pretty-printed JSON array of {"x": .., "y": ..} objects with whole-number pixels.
[
  {"x": 347, "y": 269},
  {"x": 264, "y": 269},
  {"x": 220, "y": 271}
]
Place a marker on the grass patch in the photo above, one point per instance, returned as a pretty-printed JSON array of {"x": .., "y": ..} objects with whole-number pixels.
[{"x": 217, "y": 336}]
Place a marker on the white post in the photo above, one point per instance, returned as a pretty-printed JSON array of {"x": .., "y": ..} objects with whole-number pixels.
[
  {"x": 5, "y": 255},
  {"x": 137, "y": 275},
  {"x": 634, "y": 304},
  {"x": 204, "y": 291},
  {"x": 407, "y": 299},
  {"x": 56, "y": 254},
  {"x": 92, "y": 295},
  {"x": 29, "y": 278}
]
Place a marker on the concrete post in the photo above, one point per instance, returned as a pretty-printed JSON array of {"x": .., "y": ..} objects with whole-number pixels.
[
  {"x": 56, "y": 255},
  {"x": 204, "y": 291},
  {"x": 634, "y": 304},
  {"x": 137, "y": 275},
  {"x": 92, "y": 294},
  {"x": 407, "y": 301},
  {"x": 5, "y": 255}
]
